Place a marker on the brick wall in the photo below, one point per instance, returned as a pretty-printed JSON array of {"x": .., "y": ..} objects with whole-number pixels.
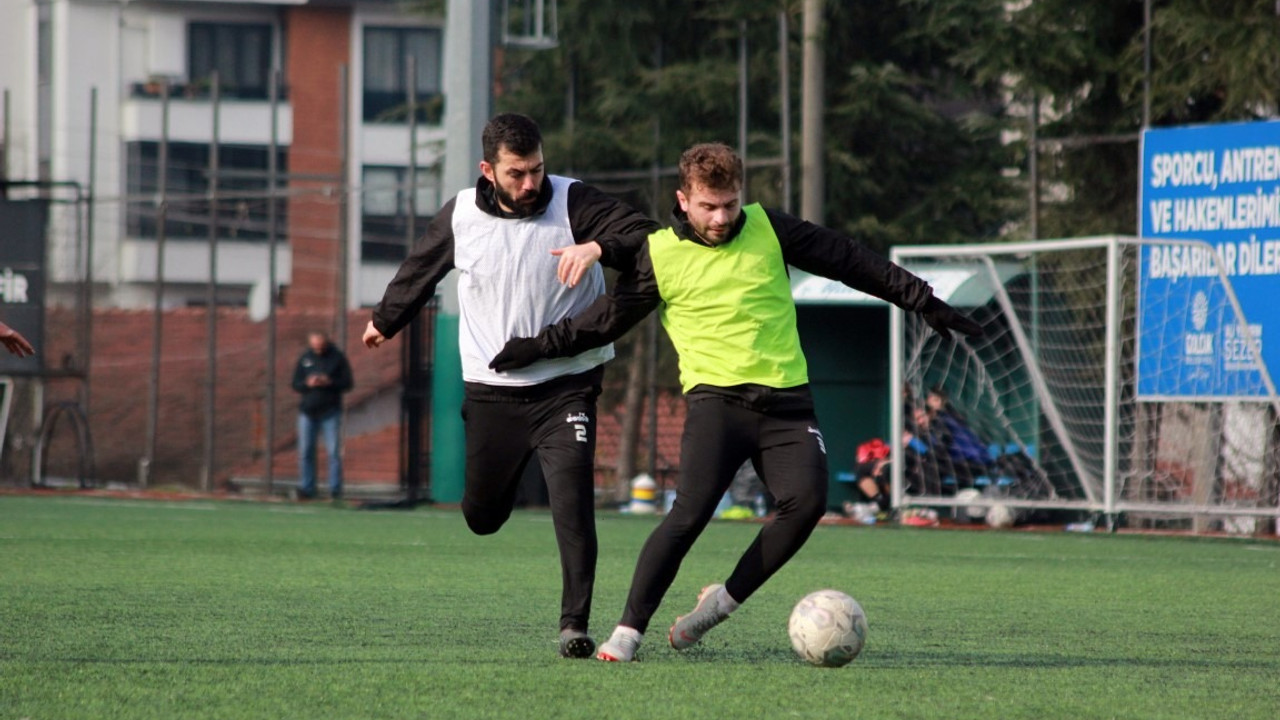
[
  {"x": 670, "y": 426},
  {"x": 119, "y": 381},
  {"x": 319, "y": 44}
]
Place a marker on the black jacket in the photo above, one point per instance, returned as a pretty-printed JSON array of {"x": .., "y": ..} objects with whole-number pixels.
[
  {"x": 805, "y": 245},
  {"x": 593, "y": 215},
  {"x": 321, "y": 400}
]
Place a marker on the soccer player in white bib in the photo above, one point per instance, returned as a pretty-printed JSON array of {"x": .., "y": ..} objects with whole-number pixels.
[{"x": 528, "y": 248}]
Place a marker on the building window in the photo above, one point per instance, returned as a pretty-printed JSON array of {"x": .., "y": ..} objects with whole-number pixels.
[
  {"x": 386, "y": 85},
  {"x": 241, "y": 53},
  {"x": 242, "y": 185},
  {"x": 384, "y": 211}
]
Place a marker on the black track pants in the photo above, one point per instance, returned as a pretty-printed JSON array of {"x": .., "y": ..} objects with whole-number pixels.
[
  {"x": 502, "y": 435},
  {"x": 720, "y": 433}
]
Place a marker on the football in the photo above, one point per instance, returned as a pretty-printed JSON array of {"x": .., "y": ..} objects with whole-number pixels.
[
  {"x": 827, "y": 628},
  {"x": 1001, "y": 516},
  {"x": 969, "y": 513}
]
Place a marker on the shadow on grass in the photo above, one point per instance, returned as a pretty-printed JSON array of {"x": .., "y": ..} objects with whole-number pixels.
[
  {"x": 919, "y": 659},
  {"x": 898, "y": 660},
  {"x": 884, "y": 660}
]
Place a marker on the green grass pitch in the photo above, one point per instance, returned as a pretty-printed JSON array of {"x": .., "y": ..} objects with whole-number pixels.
[{"x": 138, "y": 609}]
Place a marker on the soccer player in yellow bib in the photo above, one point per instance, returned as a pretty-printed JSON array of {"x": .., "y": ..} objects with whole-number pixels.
[{"x": 719, "y": 279}]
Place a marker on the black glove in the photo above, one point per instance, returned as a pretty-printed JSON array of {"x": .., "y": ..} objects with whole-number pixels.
[
  {"x": 943, "y": 319},
  {"x": 517, "y": 353}
]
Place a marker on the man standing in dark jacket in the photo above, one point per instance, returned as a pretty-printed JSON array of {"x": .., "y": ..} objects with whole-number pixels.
[
  {"x": 511, "y": 238},
  {"x": 719, "y": 279},
  {"x": 320, "y": 377}
]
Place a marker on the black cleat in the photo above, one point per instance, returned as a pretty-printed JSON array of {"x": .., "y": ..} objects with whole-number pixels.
[{"x": 576, "y": 644}]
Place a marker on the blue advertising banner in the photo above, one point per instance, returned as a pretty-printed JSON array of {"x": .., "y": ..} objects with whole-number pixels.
[{"x": 1219, "y": 184}]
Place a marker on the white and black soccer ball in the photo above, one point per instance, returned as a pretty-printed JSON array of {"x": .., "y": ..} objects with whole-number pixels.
[
  {"x": 827, "y": 628},
  {"x": 1001, "y": 516},
  {"x": 967, "y": 512}
]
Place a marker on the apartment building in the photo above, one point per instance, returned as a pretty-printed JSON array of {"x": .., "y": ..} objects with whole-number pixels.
[{"x": 54, "y": 54}]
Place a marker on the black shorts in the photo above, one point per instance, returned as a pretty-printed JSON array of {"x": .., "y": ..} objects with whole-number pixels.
[{"x": 505, "y": 427}]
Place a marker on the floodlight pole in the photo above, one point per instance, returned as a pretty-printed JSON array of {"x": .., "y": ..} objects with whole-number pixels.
[
  {"x": 211, "y": 292},
  {"x": 784, "y": 92},
  {"x": 742, "y": 100},
  {"x": 468, "y": 66},
  {"x": 812, "y": 185},
  {"x": 1146, "y": 62}
]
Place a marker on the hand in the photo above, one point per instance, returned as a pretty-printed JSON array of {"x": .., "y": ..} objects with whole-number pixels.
[
  {"x": 318, "y": 380},
  {"x": 943, "y": 319},
  {"x": 575, "y": 261},
  {"x": 517, "y": 353},
  {"x": 372, "y": 337},
  {"x": 14, "y": 342}
]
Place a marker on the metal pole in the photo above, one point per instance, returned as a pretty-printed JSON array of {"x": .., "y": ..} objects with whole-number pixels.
[
  {"x": 4, "y": 143},
  {"x": 468, "y": 81},
  {"x": 655, "y": 167},
  {"x": 87, "y": 341},
  {"x": 157, "y": 324},
  {"x": 570, "y": 110},
  {"x": 742, "y": 100},
  {"x": 651, "y": 331},
  {"x": 897, "y": 421},
  {"x": 1146, "y": 63},
  {"x": 344, "y": 188},
  {"x": 273, "y": 149},
  {"x": 784, "y": 89},
  {"x": 1033, "y": 167},
  {"x": 413, "y": 416},
  {"x": 651, "y": 382},
  {"x": 1111, "y": 392},
  {"x": 812, "y": 185},
  {"x": 211, "y": 293},
  {"x": 411, "y": 179}
]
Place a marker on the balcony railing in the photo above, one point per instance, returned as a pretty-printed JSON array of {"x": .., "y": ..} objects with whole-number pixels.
[{"x": 153, "y": 89}]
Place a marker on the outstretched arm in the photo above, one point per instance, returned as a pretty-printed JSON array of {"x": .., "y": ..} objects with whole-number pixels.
[
  {"x": 415, "y": 282},
  {"x": 14, "y": 342},
  {"x": 823, "y": 251},
  {"x": 605, "y": 230},
  {"x": 633, "y": 297}
]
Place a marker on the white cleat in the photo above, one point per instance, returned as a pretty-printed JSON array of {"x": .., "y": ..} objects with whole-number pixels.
[
  {"x": 621, "y": 646},
  {"x": 689, "y": 629}
]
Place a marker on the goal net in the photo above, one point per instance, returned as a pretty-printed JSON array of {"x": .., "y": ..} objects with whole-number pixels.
[{"x": 1115, "y": 375}]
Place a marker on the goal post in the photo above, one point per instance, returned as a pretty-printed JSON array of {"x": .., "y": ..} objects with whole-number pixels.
[{"x": 1116, "y": 375}]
